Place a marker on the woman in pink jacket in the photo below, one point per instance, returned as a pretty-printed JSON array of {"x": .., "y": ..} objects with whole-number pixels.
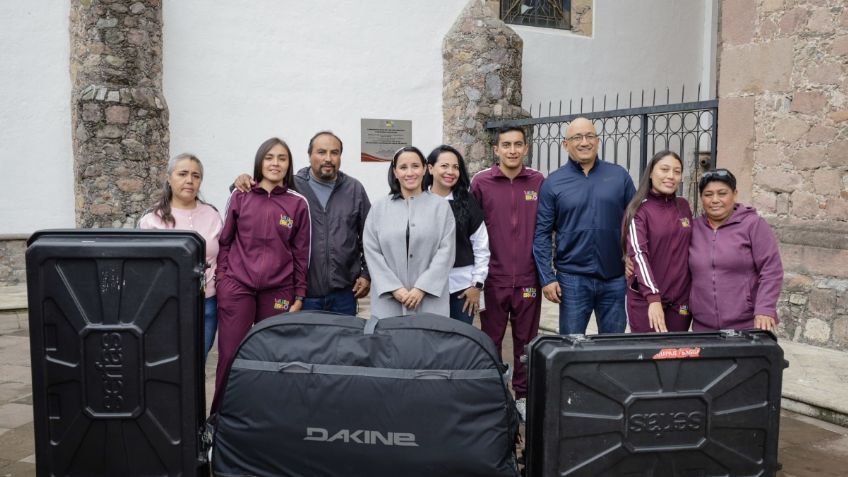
[
  {"x": 264, "y": 253},
  {"x": 735, "y": 263},
  {"x": 180, "y": 207}
]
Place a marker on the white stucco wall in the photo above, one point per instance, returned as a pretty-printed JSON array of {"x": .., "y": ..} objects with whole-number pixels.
[
  {"x": 239, "y": 72},
  {"x": 36, "y": 160},
  {"x": 635, "y": 45}
]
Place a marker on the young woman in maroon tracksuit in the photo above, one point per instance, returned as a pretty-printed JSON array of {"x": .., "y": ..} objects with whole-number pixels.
[
  {"x": 264, "y": 254},
  {"x": 656, "y": 232}
]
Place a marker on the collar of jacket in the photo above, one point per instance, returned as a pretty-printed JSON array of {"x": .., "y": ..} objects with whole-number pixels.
[
  {"x": 277, "y": 190},
  {"x": 576, "y": 165},
  {"x": 497, "y": 172},
  {"x": 664, "y": 198}
]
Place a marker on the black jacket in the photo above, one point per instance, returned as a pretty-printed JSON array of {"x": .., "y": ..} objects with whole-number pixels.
[{"x": 337, "y": 258}]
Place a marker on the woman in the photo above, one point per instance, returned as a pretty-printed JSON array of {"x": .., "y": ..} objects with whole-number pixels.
[
  {"x": 264, "y": 253},
  {"x": 409, "y": 243},
  {"x": 734, "y": 260},
  {"x": 656, "y": 233},
  {"x": 179, "y": 207},
  {"x": 447, "y": 177}
]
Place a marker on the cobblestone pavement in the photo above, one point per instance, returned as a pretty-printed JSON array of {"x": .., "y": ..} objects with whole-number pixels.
[{"x": 808, "y": 446}]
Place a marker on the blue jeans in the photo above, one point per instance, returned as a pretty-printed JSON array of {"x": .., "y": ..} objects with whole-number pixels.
[
  {"x": 210, "y": 323},
  {"x": 582, "y": 294},
  {"x": 340, "y": 301},
  {"x": 456, "y": 305}
]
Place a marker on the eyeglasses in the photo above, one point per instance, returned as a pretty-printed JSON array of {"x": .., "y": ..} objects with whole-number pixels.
[
  {"x": 716, "y": 173},
  {"x": 578, "y": 138}
]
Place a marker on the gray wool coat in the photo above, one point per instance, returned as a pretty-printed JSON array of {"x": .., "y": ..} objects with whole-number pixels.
[{"x": 427, "y": 263}]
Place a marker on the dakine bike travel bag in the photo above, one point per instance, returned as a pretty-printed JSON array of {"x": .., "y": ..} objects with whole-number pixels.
[{"x": 322, "y": 394}]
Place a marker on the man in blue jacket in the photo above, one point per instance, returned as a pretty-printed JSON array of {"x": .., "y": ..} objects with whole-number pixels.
[{"x": 583, "y": 202}]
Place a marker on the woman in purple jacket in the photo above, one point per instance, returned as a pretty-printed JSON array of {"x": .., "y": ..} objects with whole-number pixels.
[
  {"x": 656, "y": 232},
  {"x": 264, "y": 254},
  {"x": 734, "y": 260}
]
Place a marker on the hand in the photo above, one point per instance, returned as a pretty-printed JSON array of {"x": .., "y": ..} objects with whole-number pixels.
[
  {"x": 764, "y": 322},
  {"x": 656, "y": 317},
  {"x": 628, "y": 267},
  {"x": 296, "y": 306},
  {"x": 472, "y": 300},
  {"x": 244, "y": 182},
  {"x": 552, "y": 292},
  {"x": 413, "y": 299},
  {"x": 400, "y": 294},
  {"x": 361, "y": 287}
]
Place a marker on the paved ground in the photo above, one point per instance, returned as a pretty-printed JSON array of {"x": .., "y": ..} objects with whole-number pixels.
[{"x": 816, "y": 383}]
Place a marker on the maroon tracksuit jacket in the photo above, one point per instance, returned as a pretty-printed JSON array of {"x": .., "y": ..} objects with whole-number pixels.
[
  {"x": 512, "y": 286},
  {"x": 262, "y": 265},
  {"x": 658, "y": 245}
]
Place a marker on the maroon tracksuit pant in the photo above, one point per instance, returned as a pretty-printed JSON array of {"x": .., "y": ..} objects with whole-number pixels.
[
  {"x": 522, "y": 306},
  {"x": 239, "y": 307},
  {"x": 677, "y": 318}
]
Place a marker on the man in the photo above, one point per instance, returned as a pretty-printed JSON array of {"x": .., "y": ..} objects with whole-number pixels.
[
  {"x": 508, "y": 193},
  {"x": 338, "y": 206},
  {"x": 583, "y": 202}
]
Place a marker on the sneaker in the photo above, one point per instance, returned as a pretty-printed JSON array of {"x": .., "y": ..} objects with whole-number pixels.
[{"x": 521, "y": 407}]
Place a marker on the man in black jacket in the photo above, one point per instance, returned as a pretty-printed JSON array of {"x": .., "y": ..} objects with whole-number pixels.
[{"x": 338, "y": 206}]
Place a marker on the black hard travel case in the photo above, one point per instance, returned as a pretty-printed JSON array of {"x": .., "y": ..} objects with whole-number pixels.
[
  {"x": 321, "y": 394},
  {"x": 116, "y": 340},
  {"x": 675, "y": 404}
]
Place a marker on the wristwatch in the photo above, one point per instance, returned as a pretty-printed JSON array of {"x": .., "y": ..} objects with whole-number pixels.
[{"x": 478, "y": 285}]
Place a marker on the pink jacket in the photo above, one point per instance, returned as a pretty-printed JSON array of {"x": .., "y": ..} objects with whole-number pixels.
[
  {"x": 203, "y": 219},
  {"x": 266, "y": 239}
]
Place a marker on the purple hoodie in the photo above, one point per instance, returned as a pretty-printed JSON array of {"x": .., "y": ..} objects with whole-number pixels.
[{"x": 736, "y": 272}]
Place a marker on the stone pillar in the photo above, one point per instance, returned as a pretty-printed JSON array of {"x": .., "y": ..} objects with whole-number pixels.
[
  {"x": 119, "y": 115},
  {"x": 783, "y": 130},
  {"x": 482, "y": 80}
]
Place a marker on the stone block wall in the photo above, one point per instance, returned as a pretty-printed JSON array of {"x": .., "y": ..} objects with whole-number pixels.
[
  {"x": 12, "y": 260},
  {"x": 481, "y": 58},
  {"x": 783, "y": 130},
  {"x": 119, "y": 115}
]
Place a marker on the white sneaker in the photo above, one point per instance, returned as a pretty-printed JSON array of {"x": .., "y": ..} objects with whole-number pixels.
[{"x": 521, "y": 406}]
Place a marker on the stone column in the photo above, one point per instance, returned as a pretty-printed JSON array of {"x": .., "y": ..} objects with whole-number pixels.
[
  {"x": 482, "y": 79},
  {"x": 119, "y": 115},
  {"x": 783, "y": 130}
]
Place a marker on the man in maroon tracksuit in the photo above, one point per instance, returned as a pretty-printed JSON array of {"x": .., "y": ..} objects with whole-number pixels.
[{"x": 508, "y": 192}]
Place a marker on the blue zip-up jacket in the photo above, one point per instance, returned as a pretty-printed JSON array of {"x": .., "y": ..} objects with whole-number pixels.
[{"x": 586, "y": 212}]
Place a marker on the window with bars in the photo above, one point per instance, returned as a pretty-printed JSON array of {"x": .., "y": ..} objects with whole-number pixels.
[{"x": 538, "y": 13}]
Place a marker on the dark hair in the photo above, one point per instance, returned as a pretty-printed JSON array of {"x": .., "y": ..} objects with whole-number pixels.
[
  {"x": 162, "y": 208},
  {"x": 506, "y": 129},
  {"x": 324, "y": 133},
  {"x": 642, "y": 192},
  {"x": 717, "y": 175},
  {"x": 460, "y": 189},
  {"x": 266, "y": 146},
  {"x": 394, "y": 183}
]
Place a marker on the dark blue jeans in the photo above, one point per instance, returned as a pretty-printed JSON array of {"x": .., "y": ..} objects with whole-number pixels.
[
  {"x": 456, "y": 305},
  {"x": 582, "y": 294},
  {"x": 340, "y": 301},
  {"x": 210, "y": 323}
]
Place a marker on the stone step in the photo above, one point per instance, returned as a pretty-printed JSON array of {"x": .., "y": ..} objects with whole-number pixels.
[{"x": 13, "y": 308}]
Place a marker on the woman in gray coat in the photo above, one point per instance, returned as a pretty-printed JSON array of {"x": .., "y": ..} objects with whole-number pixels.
[{"x": 409, "y": 243}]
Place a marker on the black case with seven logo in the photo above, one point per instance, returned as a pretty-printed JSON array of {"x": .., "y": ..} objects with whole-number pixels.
[{"x": 673, "y": 404}]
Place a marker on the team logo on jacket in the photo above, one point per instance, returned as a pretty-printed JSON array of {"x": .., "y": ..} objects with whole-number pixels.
[
  {"x": 531, "y": 195},
  {"x": 281, "y": 304},
  {"x": 528, "y": 292},
  {"x": 684, "y": 310},
  {"x": 286, "y": 221},
  {"x": 684, "y": 222}
]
